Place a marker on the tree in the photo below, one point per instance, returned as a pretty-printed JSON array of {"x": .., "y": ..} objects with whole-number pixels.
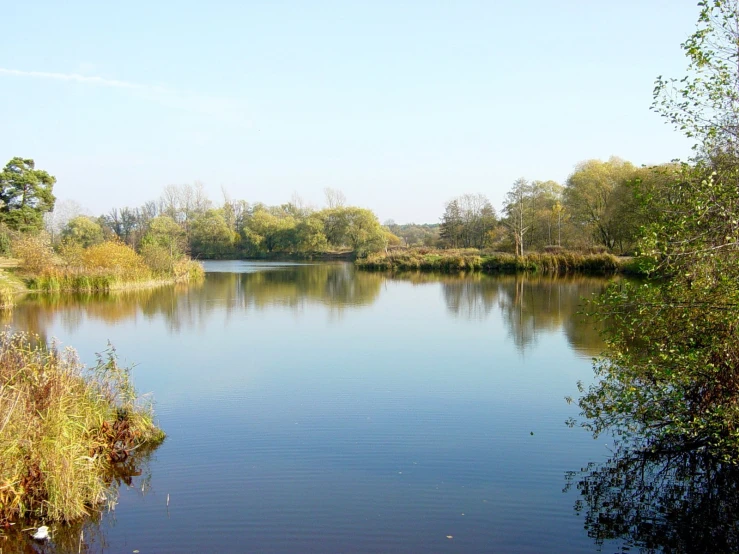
[
  {"x": 592, "y": 197},
  {"x": 364, "y": 232},
  {"x": 518, "y": 208},
  {"x": 310, "y": 235},
  {"x": 164, "y": 232},
  {"x": 558, "y": 214},
  {"x": 57, "y": 219},
  {"x": 416, "y": 235},
  {"x": 267, "y": 232},
  {"x": 670, "y": 378},
  {"x": 184, "y": 202},
  {"x": 26, "y": 194},
  {"x": 334, "y": 198},
  {"x": 478, "y": 219},
  {"x": 83, "y": 231},
  {"x": 334, "y": 226},
  {"x": 211, "y": 236},
  {"x": 705, "y": 103},
  {"x": 545, "y": 196},
  {"x": 450, "y": 231}
]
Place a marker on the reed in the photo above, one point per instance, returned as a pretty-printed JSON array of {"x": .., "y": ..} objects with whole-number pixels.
[
  {"x": 64, "y": 430},
  {"x": 448, "y": 261},
  {"x": 103, "y": 267}
]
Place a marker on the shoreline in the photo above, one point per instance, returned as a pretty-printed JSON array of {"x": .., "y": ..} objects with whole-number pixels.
[{"x": 561, "y": 263}]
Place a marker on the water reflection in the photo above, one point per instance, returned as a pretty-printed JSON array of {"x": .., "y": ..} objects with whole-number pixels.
[
  {"x": 87, "y": 535},
  {"x": 335, "y": 286},
  {"x": 414, "y": 418},
  {"x": 661, "y": 501},
  {"x": 530, "y": 305}
]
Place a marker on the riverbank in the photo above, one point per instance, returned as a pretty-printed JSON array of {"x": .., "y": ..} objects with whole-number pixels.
[
  {"x": 446, "y": 261},
  {"x": 65, "y": 431},
  {"x": 328, "y": 256},
  {"x": 102, "y": 281},
  {"x": 109, "y": 266}
]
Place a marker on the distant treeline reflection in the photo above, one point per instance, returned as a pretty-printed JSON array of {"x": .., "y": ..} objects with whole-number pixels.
[{"x": 529, "y": 305}]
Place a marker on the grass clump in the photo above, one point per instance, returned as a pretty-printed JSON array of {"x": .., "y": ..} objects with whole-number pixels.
[{"x": 65, "y": 430}]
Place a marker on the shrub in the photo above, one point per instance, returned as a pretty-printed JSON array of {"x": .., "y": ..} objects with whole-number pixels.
[
  {"x": 158, "y": 258},
  {"x": 35, "y": 254},
  {"x": 114, "y": 257}
]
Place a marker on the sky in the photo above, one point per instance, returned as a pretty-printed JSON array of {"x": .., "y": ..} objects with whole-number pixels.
[{"x": 400, "y": 104}]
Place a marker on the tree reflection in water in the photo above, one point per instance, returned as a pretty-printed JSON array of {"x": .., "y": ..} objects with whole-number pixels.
[
  {"x": 660, "y": 500},
  {"x": 336, "y": 286}
]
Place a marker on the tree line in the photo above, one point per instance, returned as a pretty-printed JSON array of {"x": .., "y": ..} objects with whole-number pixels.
[
  {"x": 184, "y": 221},
  {"x": 602, "y": 205}
]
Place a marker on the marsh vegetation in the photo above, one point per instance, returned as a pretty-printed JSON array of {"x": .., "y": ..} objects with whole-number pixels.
[{"x": 67, "y": 432}]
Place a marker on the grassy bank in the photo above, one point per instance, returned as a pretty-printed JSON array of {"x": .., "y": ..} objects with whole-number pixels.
[
  {"x": 64, "y": 430},
  {"x": 104, "y": 267},
  {"x": 88, "y": 281},
  {"x": 473, "y": 260},
  {"x": 10, "y": 285}
]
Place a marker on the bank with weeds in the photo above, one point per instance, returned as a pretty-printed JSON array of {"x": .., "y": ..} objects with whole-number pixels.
[
  {"x": 446, "y": 261},
  {"x": 110, "y": 265},
  {"x": 66, "y": 431}
]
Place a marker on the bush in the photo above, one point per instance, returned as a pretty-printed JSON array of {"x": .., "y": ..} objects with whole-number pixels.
[
  {"x": 157, "y": 258},
  {"x": 116, "y": 258},
  {"x": 35, "y": 254}
]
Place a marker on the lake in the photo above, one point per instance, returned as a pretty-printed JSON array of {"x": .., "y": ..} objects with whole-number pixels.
[{"x": 313, "y": 408}]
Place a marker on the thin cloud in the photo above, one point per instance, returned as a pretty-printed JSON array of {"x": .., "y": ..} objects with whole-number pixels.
[
  {"x": 76, "y": 77},
  {"x": 221, "y": 108}
]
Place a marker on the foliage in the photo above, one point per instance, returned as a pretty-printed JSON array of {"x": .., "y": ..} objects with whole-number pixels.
[
  {"x": 704, "y": 104},
  {"x": 25, "y": 195},
  {"x": 211, "y": 236},
  {"x": 115, "y": 258},
  {"x": 82, "y": 230},
  {"x": 519, "y": 212},
  {"x": 670, "y": 377},
  {"x": 63, "y": 430},
  {"x": 467, "y": 221},
  {"x": 270, "y": 232},
  {"x": 157, "y": 258},
  {"x": 599, "y": 200},
  {"x": 412, "y": 234},
  {"x": 163, "y": 231},
  {"x": 35, "y": 253},
  {"x": 677, "y": 378},
  {"x": 101, "y": 267},
  {"x": 363, "y": 231}
]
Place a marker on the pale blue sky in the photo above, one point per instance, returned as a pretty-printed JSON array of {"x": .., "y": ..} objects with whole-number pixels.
[{"x": 400, "y": 104}]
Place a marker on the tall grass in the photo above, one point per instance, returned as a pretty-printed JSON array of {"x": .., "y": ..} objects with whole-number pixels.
[
  {"x": 64, "y": 430},
  {"x": 107, "y": 266},
  {"x": 7, "y": 298},
  {"x": 448, "y": 261}
]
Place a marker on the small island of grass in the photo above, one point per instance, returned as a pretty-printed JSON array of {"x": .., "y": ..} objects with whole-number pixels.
[
  {"x": 457, "y": 260},
  {"x": 65, "y": 430}
]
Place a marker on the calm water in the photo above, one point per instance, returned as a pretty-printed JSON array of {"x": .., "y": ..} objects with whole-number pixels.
[{"x": 310, "y": 408}]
